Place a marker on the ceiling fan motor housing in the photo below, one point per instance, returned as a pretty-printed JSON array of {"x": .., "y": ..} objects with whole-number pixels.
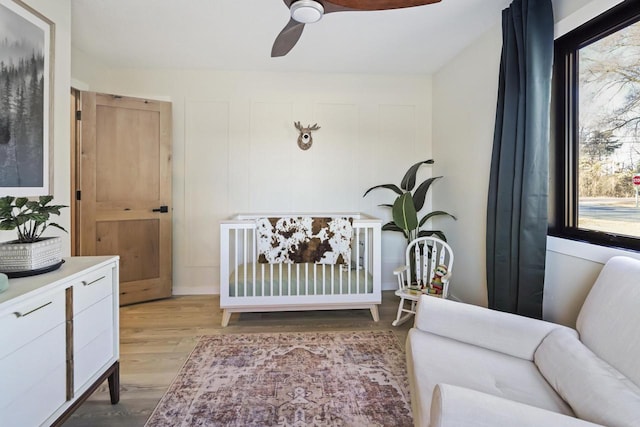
[{"x": 306, "y": 11}]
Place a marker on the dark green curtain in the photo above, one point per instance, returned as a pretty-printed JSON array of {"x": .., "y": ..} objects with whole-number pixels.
[{"x": 518, "y": 186}]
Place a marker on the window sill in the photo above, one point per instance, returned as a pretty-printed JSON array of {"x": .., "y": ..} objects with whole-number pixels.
[{"x": 585, "y": 250}]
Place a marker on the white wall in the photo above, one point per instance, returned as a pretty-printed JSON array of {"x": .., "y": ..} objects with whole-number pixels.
[
  {"x": 463, "y": 134},
  {"x": 235, "y": 148},
  {"x": 465, "y": 96},
  {"x": 59, "y": 12}
]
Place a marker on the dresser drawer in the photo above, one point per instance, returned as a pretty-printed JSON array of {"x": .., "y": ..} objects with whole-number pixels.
[
  {"x": 91, "y": 288},
  {"x": 28, "y": 367},
  {"x": 36, "y": 405},
  {"x": 24, "y": 322},
  {"x": 93, "y": 358},
  {"x": 93, "y": 341},
  {"x": 93, "y": 322}
]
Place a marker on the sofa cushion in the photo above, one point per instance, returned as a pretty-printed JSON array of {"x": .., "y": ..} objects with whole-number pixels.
[
  {"x": 507, "y": 333},
  {"x": 609, "y": 320},
  {"x": 454, "y": 406},
  {"x": 434, "y": 359},
  {"x": 596, "y": 391}
]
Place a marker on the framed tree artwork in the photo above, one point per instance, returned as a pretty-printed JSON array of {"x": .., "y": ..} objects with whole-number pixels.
[{"x": 26, "y": 82}]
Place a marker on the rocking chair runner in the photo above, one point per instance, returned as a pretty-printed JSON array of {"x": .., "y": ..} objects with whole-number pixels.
[{"x": 423, "y": 255}]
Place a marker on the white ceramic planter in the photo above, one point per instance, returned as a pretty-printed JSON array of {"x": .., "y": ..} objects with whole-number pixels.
[{"x": 30, "y": 256}]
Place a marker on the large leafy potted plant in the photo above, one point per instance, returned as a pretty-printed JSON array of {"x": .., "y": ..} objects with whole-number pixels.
[
  {"x": 409, "y": 203},
  {"x": 30, "y": 218}
]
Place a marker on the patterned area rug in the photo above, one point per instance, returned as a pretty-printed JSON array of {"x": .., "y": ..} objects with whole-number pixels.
[{"x": 290, "y": 379}]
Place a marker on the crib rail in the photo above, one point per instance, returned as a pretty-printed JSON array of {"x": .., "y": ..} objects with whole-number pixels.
[{"x": 246, "y": 285}]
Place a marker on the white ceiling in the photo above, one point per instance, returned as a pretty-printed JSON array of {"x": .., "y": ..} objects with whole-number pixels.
[{"x": 238, "y": 34}]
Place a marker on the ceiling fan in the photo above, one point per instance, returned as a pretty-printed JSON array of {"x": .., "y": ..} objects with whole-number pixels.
[{"x": 310, "y": 11}]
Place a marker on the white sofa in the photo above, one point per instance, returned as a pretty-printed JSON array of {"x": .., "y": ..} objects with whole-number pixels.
[{"x": 471, "y": 366}]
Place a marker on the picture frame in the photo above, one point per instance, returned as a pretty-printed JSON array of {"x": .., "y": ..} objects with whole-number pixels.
[{"x": 27, "y": 40}]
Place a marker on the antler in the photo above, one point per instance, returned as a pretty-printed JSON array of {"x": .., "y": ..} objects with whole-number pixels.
[{"x": 309, "y": 128}]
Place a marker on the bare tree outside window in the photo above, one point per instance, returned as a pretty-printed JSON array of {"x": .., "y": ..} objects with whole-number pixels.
[{"x": 609, "y": 133}]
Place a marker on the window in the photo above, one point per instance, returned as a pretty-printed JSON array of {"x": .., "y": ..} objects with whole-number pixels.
[{"x": 596, "y": 131}]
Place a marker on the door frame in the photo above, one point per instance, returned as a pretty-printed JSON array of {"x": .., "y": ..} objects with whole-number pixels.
[{"x": 75, "y": 152}]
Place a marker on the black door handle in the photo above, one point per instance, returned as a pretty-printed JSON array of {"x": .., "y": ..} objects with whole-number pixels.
[{"x": 162, "y": 209}]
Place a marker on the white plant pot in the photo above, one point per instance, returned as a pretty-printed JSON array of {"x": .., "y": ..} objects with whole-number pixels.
[{"x": 16, "y": 256}]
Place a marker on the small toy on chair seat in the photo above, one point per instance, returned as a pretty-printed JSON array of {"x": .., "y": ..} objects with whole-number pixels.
[{"x": 436, "y": 286}]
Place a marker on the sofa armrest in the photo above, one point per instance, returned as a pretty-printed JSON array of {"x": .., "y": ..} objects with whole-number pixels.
[
  {"x": 507, "y": 333},
  {"x": 454, "y": 406}
]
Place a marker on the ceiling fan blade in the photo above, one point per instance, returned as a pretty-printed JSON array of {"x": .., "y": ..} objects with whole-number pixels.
[
  {"x": 330, "y": 7},
  {"x": 287, "y": 38},
  {"x": 379, "y": 4},
  {"x": 291, "y": 33}
]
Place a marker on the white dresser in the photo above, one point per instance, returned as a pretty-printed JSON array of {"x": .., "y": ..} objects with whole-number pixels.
[{"x": 59, "y": 341}]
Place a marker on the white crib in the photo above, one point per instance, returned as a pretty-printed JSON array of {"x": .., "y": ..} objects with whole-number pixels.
[{"x": 249, "y": 286}]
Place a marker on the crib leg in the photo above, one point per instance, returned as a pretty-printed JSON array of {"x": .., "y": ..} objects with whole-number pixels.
[
  {"x": 374, "y": 313},
  {"x": 226, "y": 316}
]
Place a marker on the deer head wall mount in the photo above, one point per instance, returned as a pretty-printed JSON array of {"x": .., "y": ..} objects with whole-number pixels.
[{"x": 305, "y": 139}]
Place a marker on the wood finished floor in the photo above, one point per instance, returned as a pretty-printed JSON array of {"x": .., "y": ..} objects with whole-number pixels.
[{"x": 157, "y": 337}]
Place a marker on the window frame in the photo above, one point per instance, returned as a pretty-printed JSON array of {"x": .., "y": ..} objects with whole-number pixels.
[{"x": 563, "y": 155}]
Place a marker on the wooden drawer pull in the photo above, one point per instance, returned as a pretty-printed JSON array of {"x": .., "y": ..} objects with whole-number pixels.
[
  {"x": 93, "y": 281},
  {"x": 18, "y": 314}
]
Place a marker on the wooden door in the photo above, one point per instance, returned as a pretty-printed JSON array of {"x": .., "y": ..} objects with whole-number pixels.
[{"x": 124, "y": 205}]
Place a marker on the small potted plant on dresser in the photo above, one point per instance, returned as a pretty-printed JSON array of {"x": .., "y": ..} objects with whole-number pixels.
[{"x": 30, "y": 253}]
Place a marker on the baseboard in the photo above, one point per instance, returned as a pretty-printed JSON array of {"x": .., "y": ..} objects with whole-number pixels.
[{"x": 187, "y": 290}]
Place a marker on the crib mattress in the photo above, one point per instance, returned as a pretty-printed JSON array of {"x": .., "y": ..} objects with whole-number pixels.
[{"x": 327, "y": 280}]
